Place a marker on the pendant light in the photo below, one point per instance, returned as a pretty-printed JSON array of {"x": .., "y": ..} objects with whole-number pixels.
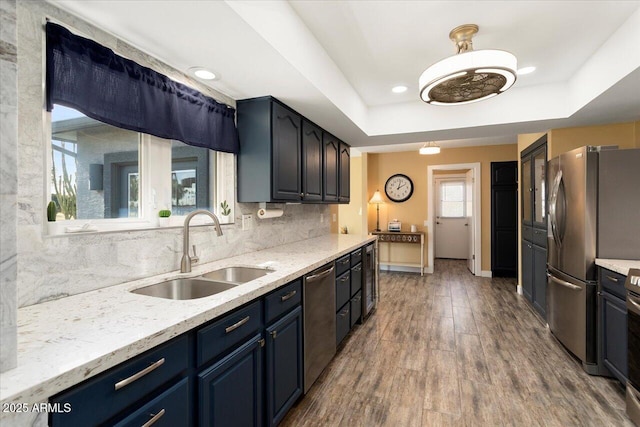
[
  {"x": 430, "y": 148},
  {"x": 468, "y": 76}
]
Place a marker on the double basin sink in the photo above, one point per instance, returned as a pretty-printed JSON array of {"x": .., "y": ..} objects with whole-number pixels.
[{"x": 203, "y": 286}]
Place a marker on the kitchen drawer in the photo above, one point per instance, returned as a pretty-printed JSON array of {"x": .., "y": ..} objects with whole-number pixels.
[
  {"x": 215, "y": 339},
  {"x": 539, "y": 237},
  {"x": 612, "y": 282},
  {"x": 96, "y": 400},
  {"x": 282, "y": 300},
  {"x": 356, "y": 308},
  {"x": 343, "y": 264},
  {"x": 343, "y": 289},
  {"x": 527, "y": 233},
  {"x": 343, "y": 323},
  {"x": 356, "y": 257},
  {"x": 356, "y": 279},
  {"x": 169, "y": 409}
]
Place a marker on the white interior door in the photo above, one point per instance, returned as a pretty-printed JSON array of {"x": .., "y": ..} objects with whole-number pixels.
[
  {"x": 451, "y": 235},
  {"x": 469, "y": 224}
]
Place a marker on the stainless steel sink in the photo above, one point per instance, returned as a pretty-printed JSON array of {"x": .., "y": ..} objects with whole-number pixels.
[
  {"x": 237, "y": 275},
  {"x": 183, "y": 289}
]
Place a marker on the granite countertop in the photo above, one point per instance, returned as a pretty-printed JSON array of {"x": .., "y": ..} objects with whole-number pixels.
[
  {"x": 66, "y": 341},
  {"x": 621, "y": 266}
]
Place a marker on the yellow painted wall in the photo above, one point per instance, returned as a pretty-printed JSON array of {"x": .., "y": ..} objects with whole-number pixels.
[
  {"x": 624, "y": 135},
  {"x": 353, "y": 216},
  {"x": 414, "y": 211}
]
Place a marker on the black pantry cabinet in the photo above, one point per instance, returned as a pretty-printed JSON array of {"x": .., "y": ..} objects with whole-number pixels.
[
  {"x": 533, "y": 162},
  {"x": 504, "y": 219},
  {"x": 286, "y": 158}
]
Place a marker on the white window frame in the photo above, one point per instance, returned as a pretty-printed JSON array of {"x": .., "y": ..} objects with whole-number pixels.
[
  {"x": 452, "y": 178},
  {"x": 154, "y": 160}
]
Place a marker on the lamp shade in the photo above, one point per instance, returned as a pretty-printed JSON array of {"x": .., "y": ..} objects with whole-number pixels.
[{"x": 377, "y": 198}]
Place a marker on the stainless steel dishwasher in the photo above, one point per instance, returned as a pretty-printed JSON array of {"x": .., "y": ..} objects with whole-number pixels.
[{"x": 319, "y": 300}]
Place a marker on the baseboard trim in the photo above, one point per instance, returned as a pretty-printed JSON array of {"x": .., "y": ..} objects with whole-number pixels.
[
  {"x": 400, "y": 268},
  {"x": 486, "y": 273},
  {"x": 519, "y": 290}
]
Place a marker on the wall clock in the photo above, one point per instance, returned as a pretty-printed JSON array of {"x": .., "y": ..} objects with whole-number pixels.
[{"x": 399, "y": 188}]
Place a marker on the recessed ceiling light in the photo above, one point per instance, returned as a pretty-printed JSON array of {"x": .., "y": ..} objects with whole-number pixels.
[
  {"x": 203, "y": 73},
  {"x": 526, "y": 70},
  {"x": 399, "y": 89}
]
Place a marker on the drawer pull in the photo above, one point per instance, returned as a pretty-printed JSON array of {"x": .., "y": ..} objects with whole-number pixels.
[
  {"x": 357, "y": 268},
  {"x": 344, "y": 279},
  {"x": 613, "y": 279},
  {"x": 358, "y": 252},
  {"x": 343, "y": 313},
  {"x": 237, "y": 325},
  {"x": 344, "y": 261},
  {"x": 274, "y": 334},
  {"x": 288, "y": 296},
  {"x": 139, "y": 375},
  {"x": 155, "y": 418}
]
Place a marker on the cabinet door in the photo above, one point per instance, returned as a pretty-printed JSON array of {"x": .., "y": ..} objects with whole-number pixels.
[
  {"x": 284, "y": 365},
  {"x": 311, "y": 161},
  {"x": 330, "y": 167},
  {"x": 345, "y": 177},
  {"x": 527, "y": 190},
  {"x": 230, "y": 392},
  {"x": 539, "y": 191},
  {"x": 614, "y": 335},
  {"x": 527, "y": 270},
  {"x": 286, "y": 155},
  {"x": 540, "y": 280}
]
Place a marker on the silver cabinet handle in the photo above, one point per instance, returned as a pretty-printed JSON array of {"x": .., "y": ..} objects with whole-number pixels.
[
  {"x": 357, "y": 268},
  {"x": 633, "y": 305},
  {"x": 237, "y": 324},
  {"x": 563, "y": 283},
  {"x": 613, "y": 279},
  {"x": 274, "y": 334},
  {"x": 139, "y": 375},
  {"x": 344, "y": 278},
  {"x": 343, "y": 313},
  {"x": 343, "y": 262},
  {"x": 288, "y": 296},
  {"x": 319, "y": 275},
  {"x": 153, "y": 420}
]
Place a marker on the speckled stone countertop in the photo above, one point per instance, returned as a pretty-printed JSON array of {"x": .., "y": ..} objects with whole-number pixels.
[
  {"x": 621, "y": 266},
  {"x": 66, "y": 341}
]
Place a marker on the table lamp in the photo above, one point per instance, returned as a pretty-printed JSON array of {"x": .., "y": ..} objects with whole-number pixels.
[{"x": 377, "y": 200}]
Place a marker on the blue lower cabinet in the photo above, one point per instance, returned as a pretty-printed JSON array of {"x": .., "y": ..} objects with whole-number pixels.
[
  {"x": 343, "y": 323},
  {"x": 230, "y": 392},
  {"x": 283, "y": 365},
  {"x": 171, "y": 408}
]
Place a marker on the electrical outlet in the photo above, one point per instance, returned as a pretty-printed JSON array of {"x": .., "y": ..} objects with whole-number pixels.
[
  {"x": 247, "y": 222},
  {"x": 335, "y": 217},
  {"x": 321, "y": 218},
  {"x": 426, "y": 223}
]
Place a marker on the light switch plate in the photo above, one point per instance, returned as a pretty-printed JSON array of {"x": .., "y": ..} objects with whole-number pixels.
[{"x": 426, "y": 223}]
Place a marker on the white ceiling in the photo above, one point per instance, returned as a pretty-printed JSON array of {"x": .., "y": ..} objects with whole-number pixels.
[{"x": 336, "y": 61}]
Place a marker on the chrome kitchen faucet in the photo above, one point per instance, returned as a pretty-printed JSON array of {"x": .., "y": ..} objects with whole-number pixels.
[{"x": 187, "y": 260}]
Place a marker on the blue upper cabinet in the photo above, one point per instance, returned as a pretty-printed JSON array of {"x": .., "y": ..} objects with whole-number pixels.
[{"x": 285, "y": 158}]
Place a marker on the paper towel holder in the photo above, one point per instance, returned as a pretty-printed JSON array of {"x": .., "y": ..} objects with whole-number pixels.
[{"x": 264, "y": 213}]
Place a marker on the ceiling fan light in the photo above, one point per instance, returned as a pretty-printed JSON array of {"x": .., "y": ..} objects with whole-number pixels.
[
  {"x": 430, "y": 148},
  {"x": 469, "y": 75}
]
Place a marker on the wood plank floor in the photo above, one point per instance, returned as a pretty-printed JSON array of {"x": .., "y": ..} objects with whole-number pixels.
[{"x": 451, "y": 349}]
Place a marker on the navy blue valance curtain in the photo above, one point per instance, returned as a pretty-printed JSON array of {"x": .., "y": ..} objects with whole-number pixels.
[{"x": 92, "y": 79}]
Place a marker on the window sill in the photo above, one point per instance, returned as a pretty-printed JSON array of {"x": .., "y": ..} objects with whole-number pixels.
[{"x": 62, "y": 228}]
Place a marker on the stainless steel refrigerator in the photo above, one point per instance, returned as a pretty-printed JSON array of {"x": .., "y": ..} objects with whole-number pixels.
[{"x": 594, "y": 211}]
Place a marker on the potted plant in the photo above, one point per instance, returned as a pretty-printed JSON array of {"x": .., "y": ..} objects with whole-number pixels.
[
  {"x": 163, "y": 217},
  {"x": 52, "y": 211},
  {"x": 225, "y": 210}
]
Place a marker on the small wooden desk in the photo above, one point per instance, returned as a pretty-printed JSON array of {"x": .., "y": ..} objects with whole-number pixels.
[{"x": 403, "y": 237}]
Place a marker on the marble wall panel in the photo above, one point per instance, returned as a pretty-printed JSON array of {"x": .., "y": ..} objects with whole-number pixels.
[
  {"x": 54, "y": 267},
  {"x": 8, "y": 187}
]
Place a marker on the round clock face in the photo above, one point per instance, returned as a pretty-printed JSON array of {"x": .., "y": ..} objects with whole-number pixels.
[{"x": 399, "y": 187}]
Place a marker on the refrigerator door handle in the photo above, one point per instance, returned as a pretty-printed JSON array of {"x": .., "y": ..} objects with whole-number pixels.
[
  {"x": 553, "y": 208},
  {"x": 564, "y": 283}
]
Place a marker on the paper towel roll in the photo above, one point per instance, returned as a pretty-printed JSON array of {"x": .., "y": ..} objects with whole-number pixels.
[{"x": 271, "y": 213}]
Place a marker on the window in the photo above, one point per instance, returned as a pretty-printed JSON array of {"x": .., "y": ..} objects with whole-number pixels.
[
  {"x": 100, "y": 172},
  {"x": 452, "y": 199}
]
